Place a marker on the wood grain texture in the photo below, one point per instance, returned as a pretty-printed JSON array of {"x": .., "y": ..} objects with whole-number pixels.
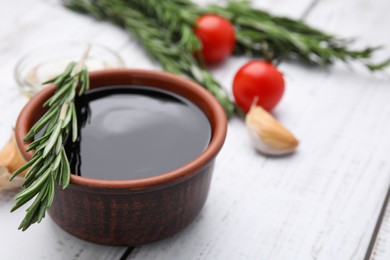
[
  {"x": 44, "y": 241},
  {"x": 320, "y": 203},
  {"x": 381, "y": 250},
  {"x": 367, "y": 22},
  {"x": 26, "y": 25}
]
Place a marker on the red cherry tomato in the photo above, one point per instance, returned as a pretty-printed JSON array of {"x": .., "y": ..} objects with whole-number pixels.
[
  {"x": 217, "y": 36},
  {"x": 258, "y": 79}
]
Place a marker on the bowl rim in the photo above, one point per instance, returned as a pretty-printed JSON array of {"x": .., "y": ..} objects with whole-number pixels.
[{"x": 216, "y": 117}]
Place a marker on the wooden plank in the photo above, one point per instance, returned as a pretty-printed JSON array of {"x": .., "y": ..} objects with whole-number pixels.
[
  {"x": 367, "y": 22},
  {"x": 381, "y": 250},
  {"x": 322, "y": 202},
  {"x": 379, "y": 243},
  {"x": 44, "y": 241}
]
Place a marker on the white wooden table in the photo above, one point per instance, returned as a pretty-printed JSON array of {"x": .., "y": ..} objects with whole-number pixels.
[{"x": 321, "y": 203}]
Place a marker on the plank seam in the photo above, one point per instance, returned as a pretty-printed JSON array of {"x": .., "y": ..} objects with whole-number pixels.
[{"x": 309, "y": 9}]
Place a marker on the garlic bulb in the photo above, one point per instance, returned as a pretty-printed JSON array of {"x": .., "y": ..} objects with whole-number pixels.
[
  {"x": 10, "y": 161},
  {"x": 267, "y": 134}
]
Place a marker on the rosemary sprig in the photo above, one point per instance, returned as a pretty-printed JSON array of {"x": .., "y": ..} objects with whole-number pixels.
[
  {"x": 164, "y": 27},
  {"x": 180, "y": 25},
  {"x": 173, "y": 57},
  {"x": 259, "y": 33},
  {"x": 49, "y": 165}
]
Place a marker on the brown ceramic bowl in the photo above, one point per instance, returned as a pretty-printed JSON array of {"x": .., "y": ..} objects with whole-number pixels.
[{"x": 139, "y": 211}]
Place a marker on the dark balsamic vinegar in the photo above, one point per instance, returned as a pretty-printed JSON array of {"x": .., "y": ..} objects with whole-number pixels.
[{"x": 129, "y": 133}]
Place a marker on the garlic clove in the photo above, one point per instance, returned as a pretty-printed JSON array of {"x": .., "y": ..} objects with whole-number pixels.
[
  {"x": 10, "y": 156},
  {"x": 267, "y": 134},
  {"x": 10, "y": 161}
]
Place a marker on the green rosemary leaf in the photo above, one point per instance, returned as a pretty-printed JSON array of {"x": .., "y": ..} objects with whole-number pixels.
[
  {"x": 36, "y": 142},
  {"x": 58, "y": 144},
  {"x": 66, "y": 74},
  {"x": 176, "y": 17},
  {"x": 34, "y": 167},
  {"x": 52, "y": 124},
  {"x": 52, "y": 140},
  {"x": 31, "y": 212},
  {"x": 31, "y": 172},
  {"x": 40, "y": 124},
  {"x": 20, "y": 202},
  {"x": 41, "y": 146},
  {"x": 86, "y": 83},
  {"x": 49, "y": 164},
  {"x": 74, "y": 122},
  {"x": 82, "y": 82},
  {"x": 71, "y": 95},
  {"x": 50, "y": 80},
  {"x": 35, "y": 187},
  {"x": 41, "y": 211},
  {"x": 84, "y": 79},
  {"x": 68, "y": 70},
  {"x": 38, "y": 167},
  {"x": 57, "y": 161},
  {"x": 68, "y": 117},
  {"x": 67, "y": 132},
  {"x": 23, "y": 168},
  {"x": 379, "y": 66},
  {"x": 60, "y": 93},
  {"x": 65, "y": 170},
  {"x": 46, "y": 191},
  {"x": 33, "y": 177},
  {"x": 51, "y": 193},
  {"x": 59, "y": 171}
]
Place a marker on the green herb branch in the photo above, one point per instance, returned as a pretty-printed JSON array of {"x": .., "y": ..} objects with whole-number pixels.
[
  {"x": 173, "y": 57},
  {"x": 49, "y": 165},
  {"x": 258, "y": 33},
  {"x": 177, "y": 17},
  {"x": 165, "y": 29}
]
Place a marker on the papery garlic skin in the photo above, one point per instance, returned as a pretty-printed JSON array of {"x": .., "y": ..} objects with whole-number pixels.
[
  {"x": 10, "y": 161},
  {"x": 5, "y": 184},
  {"x": 267, "y": 134}
]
